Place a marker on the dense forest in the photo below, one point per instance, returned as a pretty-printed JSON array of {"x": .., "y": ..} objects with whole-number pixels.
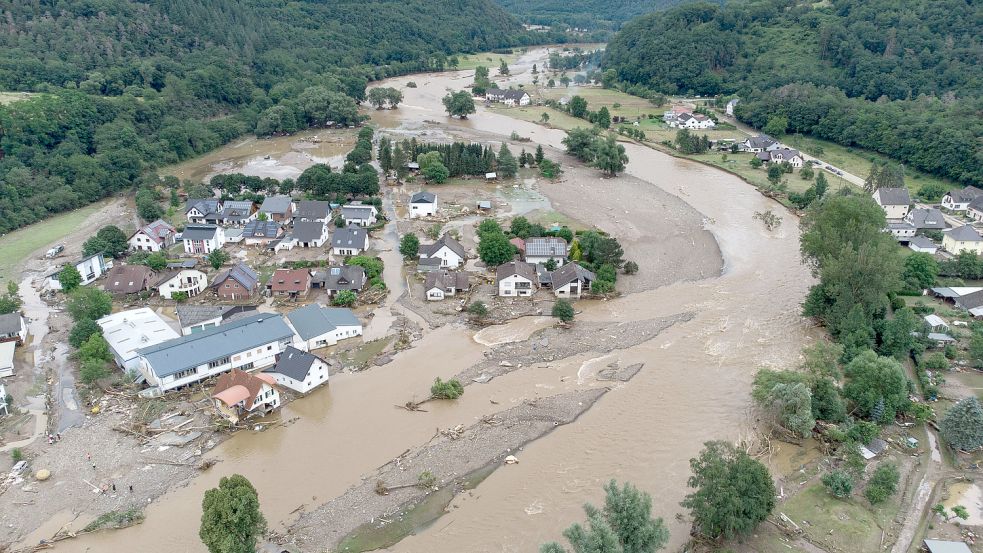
[
  {"x": 129, "y": 86},
  {"x": 904, "y": 78},
  {"x": 590, "y": 15}
]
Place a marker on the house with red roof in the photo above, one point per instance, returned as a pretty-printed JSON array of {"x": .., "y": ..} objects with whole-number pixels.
[
  {"x": 238, "y": 394},
  {"x": 154, "y": 237}
]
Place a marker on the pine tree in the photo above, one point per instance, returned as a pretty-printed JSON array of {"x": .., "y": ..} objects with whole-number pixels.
[
  {"x": 507, "y": 166},
  {"x": 539, "y": 155},
  {"x": 962, "y": 426}
]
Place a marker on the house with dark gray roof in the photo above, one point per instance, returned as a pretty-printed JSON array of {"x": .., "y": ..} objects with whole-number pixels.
[
  {"x": 759, "y": 143},
  {"x": 443, "y": 284},
  {"x": 359, "y": 214},
  {"x": 542, "y": 249},
  {"x": 195, "y": 318},
  {"x": 449, "y": 251},
  {"x": 278, "y": 208},
  {"x": 894, "y": 201},
  {"x": 260, "y": 232},
  {"x": 923, "y": 244},
  {"x": 202, "y": 239},
  {"x": 958, "y": 199},
  {"x": 334, "y": 279},
  {"x": 128, "y": 279},
  {"x": 318, "y": 326},
  {"x": 237, "y": 213},
  {"x": 310, "y": 234},
  {"x": 236, "y": 283},
  {"x": 423, "y": 204},
  {"x": 12, "y": 328},
  {"x": 248, "y": 343},
  {"x": 349, "y": 241},
  {"x": 200, "y": 211},
  {"x": 299, "y": 370},
  {"x": 963, "y": 239},
  {"x": 312, "y": 210},
  {"x": 153, "y": 237},
  {"x": 516, "y": 278},
  {"x": 928, "y": 218},
  {"x": 571, "y": 280}
]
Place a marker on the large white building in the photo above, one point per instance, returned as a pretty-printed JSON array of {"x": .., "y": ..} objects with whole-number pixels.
[
  {"x": 318, "y": 326},
  {"x": 202, "y": 239},
  {"x": 894, "y": 201},
  {"x": 516, "y": 279},
  {"x": 128, "y": 331}
]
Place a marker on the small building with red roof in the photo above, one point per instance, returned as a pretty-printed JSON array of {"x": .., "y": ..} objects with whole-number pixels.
[
  {"x": 238, "y": 394},
  {"x": 291, "y": 283}
]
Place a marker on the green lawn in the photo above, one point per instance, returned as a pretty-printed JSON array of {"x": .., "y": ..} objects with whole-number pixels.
[
  {"x": 845, "y": 526},
  {"x": 738, "y": 164},
  {"x": 490, "y": 60},
  {"x": 16, "y": 246},
  {"x": 10, "y": 97},
  {"x": 628, "y": 105}
]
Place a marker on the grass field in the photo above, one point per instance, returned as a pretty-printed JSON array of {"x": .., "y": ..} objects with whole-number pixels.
[
  {"x": 16, "y": 246},
  {"x": 491, "y": 60},
  {"x": 10, "y": 97},
  {"x": 847, "y": 526},
  {"x": 738, "y": 164}
]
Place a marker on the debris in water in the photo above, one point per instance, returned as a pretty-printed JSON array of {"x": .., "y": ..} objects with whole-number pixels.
[{"x": 511, "y": 460}]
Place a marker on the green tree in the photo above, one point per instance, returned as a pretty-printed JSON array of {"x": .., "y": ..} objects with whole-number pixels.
[
  {"x": 95, "y": 348},
  {"x": 603, "y": 118},
  {"x": 786, "y": 398},
  {"x": 962, "y": 425},
  {"x": 450, "y": 389},
  {"x": 623, "y": 525},
  {"x": 9, "y": 304},
  {"x": 774, "y": 174},
  {"x": 344, "y": 298},
  {"x": 883, "y": 483},
  {"x": 581, "y": 143},
  {"x": 734, "y": 492},
  {"x": 231, "y": 520},
  {"x": 578, "y": 106},
  {"x": 822, "y": 185},
  {"x": 409, "y": 246},
  {"x": 459, "y": 103},
  {"x": 822, "y": 358},
  {"x": 69, "y": 278},
  {"x": 563, "y": 310},
  {"x": 776, "y": 126},
  {"x": 610, "y": 156},
  {"x": 217, "y": 258},
  {"x": 89, "y": 303},
  {"x": 756, "y": 162},
  {"x": 839, "y": 484},
  {"x": 436, "y": 173},
  {"x": 898, "y": 339},
  {"x": 92, "y": 370},
  {"x": 920, "y": 271},
  {"x": 827, "y": 404},
  {"x": 871, "y": 380},
  {"x": 507, "y": 166},
  {"x": 495, "y": 249},
  {"x": 549, "y": 169},
  {"x": 503, "y": 68},
  {"x": 540, "y": 156},
  {"x": 478, "y": 309},
  {"x": 110, "y": 240},
  {"x": 82, "y": 331},
  {"x": 806, "y": 173},
  {"x": 157, "y": 261}
]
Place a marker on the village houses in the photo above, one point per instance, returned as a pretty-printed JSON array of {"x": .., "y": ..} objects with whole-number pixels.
[
  {"x": 894, "y": 201},
  {"x": 128, "y": 279},
  {"x": 260, "y": 232},
  {"x": 290, "y": 283},
  {"x": 279, "y": 209},
  {"x": 312, "y": 211},
  {"x": 782, "y": 155},
  {"x": 516, "y": 279},
  {"x": 958, "y": 199},
  {"x": 926, "y": 219},
  {"x": 238, "y": 395},
  {"x": 423, "y": 204},
  {"x": 201, "y": 211},
  {"x": 90, "y": 267},
  {"x": 318, "y": 326},
  {"x": 571, "y": 281},
  {"x": 509, "y": 98},
  {"x": 155, "y": 237},
  {"x": 963, "y": 239},
  {"x": 202, "y": 239},
  {"x": 759, "y": 143},
  {"x": 541, "y": 249},
  {"x": 12, "y": 328},
  {"x": 236, "y": 283},
  {"x": 190, "y": 282},
  {"x": 251, "y": 342},
  {"x": 449, "y": 251},
  {"x": 692, "y": 121},
  {"x": 128, "y": 331},
  {"x": 923, "y": 244},
  {"x": 310, "y": 234},
  {"x": 359, "y": 215},
  {"x": 442, "y": 284},
  {"x": 299, "y": 370},
  {"x": 334, "y": 279},
  {"x": 349, "y": 241}
]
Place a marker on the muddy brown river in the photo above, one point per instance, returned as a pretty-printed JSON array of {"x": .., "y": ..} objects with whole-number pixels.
[{"x": 694, "y": 386}]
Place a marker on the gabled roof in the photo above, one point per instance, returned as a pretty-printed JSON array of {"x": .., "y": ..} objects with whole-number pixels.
[
  {"x": 276, "y": 204},
  {"x": 240, "y": 273},
  {"x": 423, "y": 198},
  {"x": 183, "y": 264},
  {"x": 312, "y": 209},
  {"x": 345, "y": 277},
  {"x": 962, "y": 195},
  {"x": 237, "y": 210},
  {"x": 942, "y": 546},
  {"x": 927, "y": 218},
  {"x": 893, "y": 196},
  {"x": 350, "y": 237},
  {"x": 10, "y": 323},
  {"x": 127, "y": 279},
  {"x": 215, "y": 343},
  {"x": 519, "y": 243},
  {"x": 190, "y": 315},
  {"x": 546, "y": 246},
  {"x": 976, "y": 204},
  {"x": 236, "y": 386},
  {"x": 158, "y": 231},
  {"x": 446, "y": 280},
  {"x": 314, "y": 320},
  {"x": 294, "y": 363},
  {"x": 969, "y": 301},
  {"x": 760, "y": 141},
  {"x": 199, "y": 232},
  {"x": 522, "y": 269},
  {"x": 923, "y": 242},
  {"x": 261, "y": 229},
  {"x": 786, "y": 153},
  {"x": 290, "y": 280},
  {"x": 429, "y": 250},
  {"x": 204, "y": 205},
  {"x": 308, "y": 231},
  {"x": 238, "y": 204},
  {"x": 965, "y": 233},
  {"x": 356, "y": 211},
  {"x": 571, "y": 272}
]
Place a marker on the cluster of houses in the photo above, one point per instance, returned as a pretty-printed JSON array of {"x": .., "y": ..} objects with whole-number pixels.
[
  {"x": 510, "y": 97},
  {"x": 681, "y": 117},
  {"x": 522, "y": 278},
  {"x": 253, "y": 352},
  {"x": 909, "y": 225}
]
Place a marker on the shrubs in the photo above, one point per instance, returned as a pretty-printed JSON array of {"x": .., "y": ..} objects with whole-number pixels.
[
  {"x": 344, "y": 298},
  {"x": 838, "y": 483},
  {"x": 563, "y": 310},
  {"x": 409, "y": 246},
  {"x": 883, "y": 483},
  {"x": 962, "y": 426},
  {"x": 478, "y": 309},
  {"x": 451, "y": 389},
  {"x": 16, "y": 455},
  {"x": 81, "y": 332},
  {"x": 630, "y": 267}
]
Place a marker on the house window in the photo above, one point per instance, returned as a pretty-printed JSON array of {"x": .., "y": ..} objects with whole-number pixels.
[
  {"x": 184, "y": 374},
  {"x": 247, "y": 366},
  {"x": 218, "y": 362}
]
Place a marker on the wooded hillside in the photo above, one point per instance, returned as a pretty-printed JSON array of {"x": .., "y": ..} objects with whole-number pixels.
[
  {"x": 901, "y": 77},
  {"x": 132, "y": 85},
  {"x": 583, "y": 14}
]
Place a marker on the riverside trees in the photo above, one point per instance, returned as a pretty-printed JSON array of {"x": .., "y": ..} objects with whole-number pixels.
[{"x": 231, "y": 520}]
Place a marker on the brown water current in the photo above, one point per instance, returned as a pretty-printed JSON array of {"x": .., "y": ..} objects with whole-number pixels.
[{"x": 694, "y": 386}]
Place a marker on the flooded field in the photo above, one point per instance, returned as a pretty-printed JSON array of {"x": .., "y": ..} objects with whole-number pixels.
[{"x": 690, "y": 228}]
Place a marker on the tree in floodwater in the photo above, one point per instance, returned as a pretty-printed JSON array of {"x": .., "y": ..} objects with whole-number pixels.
[{"x": 231, "y": 520}]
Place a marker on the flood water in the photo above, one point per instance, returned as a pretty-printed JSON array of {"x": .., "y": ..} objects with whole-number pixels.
[{"x": 694, "y": 385}]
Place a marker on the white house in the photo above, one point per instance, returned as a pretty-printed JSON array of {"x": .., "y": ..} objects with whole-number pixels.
[
  {"x": 759, "y": 143},
  {"x": 195, "y": 318},
  {"x": 936, "y": 323},
  {"x": 349, "y": 241},
  {"x": 318, "y": 326},
  {"x": 238, "y": 395},
  {"x": 91, "y": 268},
  {"x": 313, "y": 210},
  {"x": 202, "y": 239},
  {"x": 310, "y": 234},
  {"x": 247, "y": 343},
  {"x": 438, "y": 285},
  {"x": 571, "y": 280},
  {"x": 782, "y": 155},
  {"x": 12, "y": 328},
  {"x": 190, "y": 281},
  {"x": 128, "y": 331},
  {"x": 516, "y": 279},
  {"x": 154, "y": 237},
  {"x": 901, "y": 230},
  {"x": 692, "y": 121},
  {"x": 450, "y": 252},
  {"x": 543, "y": 248},
  {"x": 731, "y": 105},
  {"x": 299, "y": 370},
  {"x": 923, "y": 244},
  {"x": 510, "y": 98},
  {"x": 7, "y": 358},
  {"x": 963, "y": 239},
  {"x": 926, "y": 219},
  {"x": 958, "y": 199},
  {"x": 360, "y": 215},
  {"x": 203, "y": 210},
  {"x": 894, "y": 201},
  {"x": 260, "y": 232},
  {"x": 423, "y": 204},
  {"x": 975, "y": 209}
]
